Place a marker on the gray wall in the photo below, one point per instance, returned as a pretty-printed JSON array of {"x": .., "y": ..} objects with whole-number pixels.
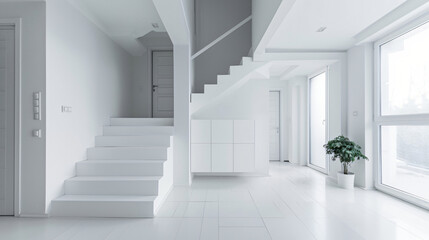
[{"x": 213, "y": 18}]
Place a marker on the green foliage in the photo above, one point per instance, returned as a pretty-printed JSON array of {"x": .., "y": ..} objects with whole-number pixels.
[{"x": 345, "y": 150}]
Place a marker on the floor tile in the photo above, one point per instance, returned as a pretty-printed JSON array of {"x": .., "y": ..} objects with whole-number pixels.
[
  {"x": 238, "y": 210},
  {"x": 211, "y": 210},
  {"x": 254, "y": 233},
  {"x": 241, "y": 222}
]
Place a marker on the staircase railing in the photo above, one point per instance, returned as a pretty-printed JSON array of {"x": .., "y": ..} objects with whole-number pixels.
[{"x": 221, "y": 37}]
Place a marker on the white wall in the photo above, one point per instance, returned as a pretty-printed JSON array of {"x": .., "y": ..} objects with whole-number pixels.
[
  {"x": 262, "y": 14},
  {"x": 89, "y": 72},
  {"x": 360, "y": 81},
  {"x": 214, "y": 18},
  {"x": 33, "y": 75}
]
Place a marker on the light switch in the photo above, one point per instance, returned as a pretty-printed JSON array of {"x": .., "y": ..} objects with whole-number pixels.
[
  {"x": 37, "y": 133},
  {"x": 37, "y": 98}
]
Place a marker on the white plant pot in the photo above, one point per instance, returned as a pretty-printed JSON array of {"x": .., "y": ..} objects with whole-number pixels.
[{"x": 346, "y": 181}]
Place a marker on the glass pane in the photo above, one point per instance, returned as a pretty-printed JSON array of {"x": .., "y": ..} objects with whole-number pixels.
[
  {"x": 317, "y": 120},
  {"x": 405, "y": 158},
  {"x": 405, "y": 73}
]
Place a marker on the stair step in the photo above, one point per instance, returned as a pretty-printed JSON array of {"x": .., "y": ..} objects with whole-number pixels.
[
  {"x": 196, "y": 97},
  {"x": 132, "y": 141},
  {"x": 112, "y": 185},
  {"x": 222, "y": 79},
  {"x": 209, "y": 87},
  {"x": 137, "y": 130},
  {"x": 234, "y": 69},
  {"x": 245, "y": 60},
  {"x": 119, "y": 168},
  {"x": 141, "y": 121},
  {"x": 131, "y": 153},
  {"x": 103, "y": 206}
]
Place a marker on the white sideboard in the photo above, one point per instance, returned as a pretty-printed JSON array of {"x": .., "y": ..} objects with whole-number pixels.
[{"x": 222, "y": 146}]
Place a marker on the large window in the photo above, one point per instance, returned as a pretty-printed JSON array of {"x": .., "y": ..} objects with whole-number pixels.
[{"x": 402, "y": 113}]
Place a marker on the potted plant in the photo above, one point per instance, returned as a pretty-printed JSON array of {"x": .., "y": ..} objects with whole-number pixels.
[{"x": 347, "y": 152}]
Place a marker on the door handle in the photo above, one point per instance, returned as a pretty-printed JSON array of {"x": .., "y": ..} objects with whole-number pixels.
[{"x": 154, "y": 87}]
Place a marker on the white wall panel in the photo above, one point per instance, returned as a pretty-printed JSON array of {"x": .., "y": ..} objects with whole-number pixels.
[
  {"x": 222, "y": 157},
  {"x": 222, "y": 131},
  {"x": 244, "y": 157},
  {"x": 201, "y": 131},
  {"x": 244, "y": 131},
  {"x": 201, "y": 158}
]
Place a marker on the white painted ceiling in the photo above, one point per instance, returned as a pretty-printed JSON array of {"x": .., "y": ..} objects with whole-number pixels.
[
  {"x": 122, "y": 20},
  {"x": 343, "y": 18},
  {"x": 285, "y": 70}
]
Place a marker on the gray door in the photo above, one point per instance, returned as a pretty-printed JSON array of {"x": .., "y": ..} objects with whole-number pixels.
[
  {"x": 162, "y": 79},
  {"x": 7, "y": 129}
]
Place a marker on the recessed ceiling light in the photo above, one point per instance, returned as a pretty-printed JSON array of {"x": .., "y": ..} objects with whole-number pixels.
[
  {"x": 155, "y": 25},
  {"x": 321, "y": 29}
]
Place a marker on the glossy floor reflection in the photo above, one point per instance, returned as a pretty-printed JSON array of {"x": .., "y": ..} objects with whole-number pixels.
[{"x": 294, "y": 203}]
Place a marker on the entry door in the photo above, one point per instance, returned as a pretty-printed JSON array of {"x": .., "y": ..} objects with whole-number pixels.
[
  {"x": 318, "y": 121},
  {"x": 162, "y": 79},
  {"x": 275, "y": 126},
  {"x": 7, "y": 89}
]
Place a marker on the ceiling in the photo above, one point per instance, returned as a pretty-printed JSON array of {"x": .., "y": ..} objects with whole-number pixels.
[
  {"x": 343, "y": 20},
  {"x": 125, "y": 21},
  {"x": 284, "y": 70}
]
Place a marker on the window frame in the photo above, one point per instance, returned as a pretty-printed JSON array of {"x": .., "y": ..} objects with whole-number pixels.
[{"x": 393, "y": 120}]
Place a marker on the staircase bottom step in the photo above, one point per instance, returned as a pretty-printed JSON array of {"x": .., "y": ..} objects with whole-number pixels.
[{"x": 103, "y": 206}]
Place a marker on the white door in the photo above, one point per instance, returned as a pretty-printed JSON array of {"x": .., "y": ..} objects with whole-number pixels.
[
  {"x": 7, "y": 89},
  {"x": 318, "y": 121},
  {"x": 274, "y": 126},
  {"x": 162, "y": 79}
]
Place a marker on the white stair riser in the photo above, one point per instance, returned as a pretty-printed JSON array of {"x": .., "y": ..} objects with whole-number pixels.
[
  {"x": 245, "y": 60},
  {"x": 150, "y": 153},
  {"x": 132, "y": 141},
  {"x": 209, "y": 87},
  {"x": 141, "y": 121},
  {"x": 136, "y": 131},
  {"x": 102, "y": 209},
  {"x": 111, "y": 187},
  {"x": 94, "y": 168}
]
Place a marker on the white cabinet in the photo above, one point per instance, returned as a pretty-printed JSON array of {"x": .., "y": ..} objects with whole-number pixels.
[
  {"x": 223, "y": 146},
  {"x": 222, "y": 157},
  {"x": 244, "y": 157},
  {"x": 201, "y": 131},
  {"x": 244, "y": 131},
  {"x": 222, "y": 131},
  {"x": 201, "y": 158}
]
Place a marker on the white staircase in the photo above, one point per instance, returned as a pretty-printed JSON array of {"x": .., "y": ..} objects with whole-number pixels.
[
  {"x": 238, "y": 75},
  {"x": 128, "y": 173}
]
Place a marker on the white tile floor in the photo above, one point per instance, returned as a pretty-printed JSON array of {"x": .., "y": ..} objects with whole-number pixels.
[{"x": 295, "y": 203}]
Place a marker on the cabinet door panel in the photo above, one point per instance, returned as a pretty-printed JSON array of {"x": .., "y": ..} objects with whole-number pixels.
[
  {"x": 244, "y": 157},
  {"x": 244, "y": 131},
  {"x": 201, "y": 158},
  {"x": 222, "y": 157},
  {"x": 201, "y": 131},
  {"x": 222, "y": 131}
]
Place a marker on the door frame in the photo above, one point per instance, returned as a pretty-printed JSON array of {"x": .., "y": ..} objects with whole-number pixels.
[
  {"x": 17, "y": 23},
  {"x": 150, "y": 51},
  {"x": 283, "y": 148},
  {"x": 281, "y": 159},
  {"x": 315, "y": 74}
]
